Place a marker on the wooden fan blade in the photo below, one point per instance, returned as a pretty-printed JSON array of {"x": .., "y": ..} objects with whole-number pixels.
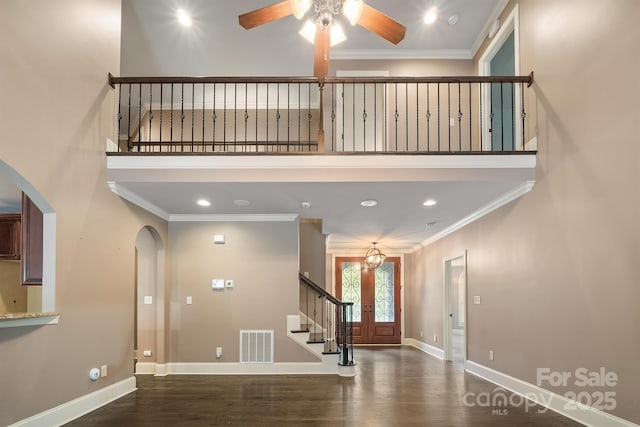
[
  {"x": 379, "y": 23},
  {"x": 265, "y": 15},
  {"x": 321, "y": 57}
]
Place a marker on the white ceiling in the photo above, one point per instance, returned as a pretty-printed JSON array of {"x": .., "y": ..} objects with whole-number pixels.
[
  {"x": 463, "y": 186},
  {"x": 154, "y": 44}
]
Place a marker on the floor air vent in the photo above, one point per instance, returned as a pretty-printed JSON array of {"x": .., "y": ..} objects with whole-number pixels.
[{"x": 256, "y": 346}]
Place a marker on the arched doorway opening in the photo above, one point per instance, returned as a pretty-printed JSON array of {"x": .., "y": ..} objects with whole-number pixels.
[{"x": 149, "y": 312}]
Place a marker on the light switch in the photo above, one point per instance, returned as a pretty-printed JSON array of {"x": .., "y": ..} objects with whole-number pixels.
[
  {"x": 217, "y": 284},
  {"x": 189, "y": 300},
  {"x": 218, "y": 239},
  {"x": 148, "y": 299},
  {"x": 476, "y": 299},
  {"x": 146, "y": 353}
]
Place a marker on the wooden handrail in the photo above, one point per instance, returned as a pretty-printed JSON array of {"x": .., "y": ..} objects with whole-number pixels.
[
  {"x": 319, "y": 290},
  {"x": 327, "y": 80}
]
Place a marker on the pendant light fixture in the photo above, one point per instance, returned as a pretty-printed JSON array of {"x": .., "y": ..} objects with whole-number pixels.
[{"x": 373, "y": 258}]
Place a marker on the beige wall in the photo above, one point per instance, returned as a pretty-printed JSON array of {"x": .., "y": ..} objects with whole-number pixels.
[
  {"x": 557, "y": 269},
  {"x": 262, "y": 260},
  {"x": 13, "y": 296},
  {"x": 55, "y": 58},
  {"x": 313, "y": 249}
]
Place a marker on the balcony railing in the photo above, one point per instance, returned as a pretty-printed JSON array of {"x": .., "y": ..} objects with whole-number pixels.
[{"x": 426, "y": 115}]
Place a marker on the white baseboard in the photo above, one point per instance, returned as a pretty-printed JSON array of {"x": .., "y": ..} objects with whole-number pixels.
[
  {"x": 151, "y": 368},
  {"x": 429, "y": 349},
  {"x": 555, "y": 402},
  {"x": 75, "y": 408},
  {"x": 330, "y": 367}
]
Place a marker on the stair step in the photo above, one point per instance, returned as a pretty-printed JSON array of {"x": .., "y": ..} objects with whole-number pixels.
[
  {"x": 315, "y": 342},
  {"x": 300, "y": 331},
  {"x": 316, "y": 337},
  {"x": 330, "y": 352}
]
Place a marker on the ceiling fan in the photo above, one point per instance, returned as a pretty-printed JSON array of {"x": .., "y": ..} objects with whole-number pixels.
[{"x": 322, "y": 27}]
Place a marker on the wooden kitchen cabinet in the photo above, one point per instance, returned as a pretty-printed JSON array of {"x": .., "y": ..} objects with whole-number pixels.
[
  {"x": 10, "y": 236},
  {"x": 31, "y": 253}
]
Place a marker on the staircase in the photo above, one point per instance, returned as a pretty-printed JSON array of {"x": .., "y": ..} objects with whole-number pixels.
[{"x": 324, "y": 325}]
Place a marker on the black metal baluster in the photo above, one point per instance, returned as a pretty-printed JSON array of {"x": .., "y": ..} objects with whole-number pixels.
[
  {"x": 171, "y": 122},
  {"x": 224, "y": 119},
  {"x": 299, "y": 117},
  {"x": 406, "y": 115},
  {"x": 460, "y": 116},
  {"x": 417, "y": 117},
  {"x": 353, "y": 134},
  {"x": 439, "y": 121},
  {"x": 139, "y": 115},
  {"x": 288, "y": 115},
  {"x": 150, "y": 111},
  {"x": 310, "y": 115},
  {"x": 257, "y": 111},
  {"x": 235, "y": 117},
  {"x": 470, "y": 121},
  {"x": 449, "y": 115},
  {"x": 119, "y": 116},
  {"x": 204, "y": 101},
  {"x": 193, "y": 113},
  {"x": 246, "y": 115},
  {"x": 214, "y": 118},
  {"x": 182, "y": 117},
  {"x": 333, "y": 117},
  {"x": 375, "y": 117},
  {"x": 161, "y": 113},
  {"x": 364, "y": 117},
  {"x": 396, "y": 115},
  {"x": 266, "y": 148},
  {"x": 513, "y": 119},
  {"x": 502, "y": 114},
  {"x": 278, "y": 117},
  {"x": 428, "y": 117},
  {"x": 490, "y": 124},
  {"x": 523, "y": 115}
]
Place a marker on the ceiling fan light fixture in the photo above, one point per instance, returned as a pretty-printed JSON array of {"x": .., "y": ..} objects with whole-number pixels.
[
  {"x": 352, "y": 9},
  {"x": 300, "y": 7},
  {"x": 337, "y": 35},
  {"x": 309, "y": 31}
]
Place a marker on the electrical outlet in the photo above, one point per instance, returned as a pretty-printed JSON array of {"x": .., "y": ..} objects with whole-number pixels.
[
  {"x": 435, "y": 338},
  {"x": 218, "y": 352},
  {"x": 476, "y": 299},
  {"x": 490, "y": 354},
  {"x": 452, "y": 122},
  {"x": 217, "y": 284},
  {"x": 103, "y": 370},
  {"x": 421, "y": 335},
  {"x": 147, "y": 353},
  {"x": 189, "y": 300}
]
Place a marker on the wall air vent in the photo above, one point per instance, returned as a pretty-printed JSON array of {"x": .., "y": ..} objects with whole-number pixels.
[{"x": 256, "y": 346}]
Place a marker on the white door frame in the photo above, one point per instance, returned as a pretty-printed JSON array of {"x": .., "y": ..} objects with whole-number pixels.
[
  {"x": 511, "y": 23},
  {"x": 447, "y": 319}
]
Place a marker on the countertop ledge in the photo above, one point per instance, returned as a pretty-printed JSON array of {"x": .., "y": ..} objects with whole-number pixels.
[{"x": 28, "y": 319}]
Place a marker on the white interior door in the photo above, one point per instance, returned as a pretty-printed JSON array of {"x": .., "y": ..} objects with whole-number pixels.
[{"x": 455, "y": 308}]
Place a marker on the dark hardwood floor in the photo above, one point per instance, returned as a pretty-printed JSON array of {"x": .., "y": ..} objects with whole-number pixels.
[{"x": 394, "y": 386}]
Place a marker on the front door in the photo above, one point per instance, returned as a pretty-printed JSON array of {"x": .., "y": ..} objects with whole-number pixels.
[{"x": 376, "y": 299}]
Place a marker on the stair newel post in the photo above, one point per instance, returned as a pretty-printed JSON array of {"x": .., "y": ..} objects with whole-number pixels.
[{"x": 321, "y": 119}]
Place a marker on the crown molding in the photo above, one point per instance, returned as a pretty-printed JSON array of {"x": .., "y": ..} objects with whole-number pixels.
[
  {"x": 137, "y": 200},
  {"x": 482, "y": 35},
  {"x": 233, "y": 218},
  {"x": 344, "y": 54}
]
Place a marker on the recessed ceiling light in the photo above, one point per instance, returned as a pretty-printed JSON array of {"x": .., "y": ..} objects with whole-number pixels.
[
  {"x": 430, "y": 202},
  {"x": 241, "y": 203},
  {"x": 453, "y": 20},
  {"x": 183, "y": 18},
  {"x": 431, "y": 16},
  {"x": 203, "y": 202},
  {"x": 368, "y": 203}
]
